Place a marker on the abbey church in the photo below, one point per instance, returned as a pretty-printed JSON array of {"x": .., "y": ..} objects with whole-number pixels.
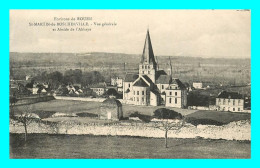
[{"x": 152, "y": 86}]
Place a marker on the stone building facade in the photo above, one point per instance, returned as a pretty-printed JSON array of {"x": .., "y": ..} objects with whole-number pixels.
[
  {"x": 152, "y": 86},
  {"x": 230, "y": 101}
]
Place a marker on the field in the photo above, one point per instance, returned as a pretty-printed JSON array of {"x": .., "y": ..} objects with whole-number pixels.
[
  {"x": 87, "y": 146},
  {"x": 70, "y": 106},
  {"x": 213, "y": 70},
  {"x": 220, "y": 116},
  {"x": 82, "y": 109}
]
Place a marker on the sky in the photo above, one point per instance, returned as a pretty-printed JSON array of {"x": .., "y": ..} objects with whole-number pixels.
[{"x": 198, "y": 33}]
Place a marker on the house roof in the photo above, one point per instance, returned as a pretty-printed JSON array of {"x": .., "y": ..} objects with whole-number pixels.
[
  {"x": 159, "y": 73},
  {"x": 167, "y": 79},
  {"x": 131, "y": 77},
  {"x": 141, "y": 83},
  {"x": 178, "y": 82},
  {"x": 127, "y": 91},
  {"x": 229, "y": 95},
  {"x": 112, "y": 101}
]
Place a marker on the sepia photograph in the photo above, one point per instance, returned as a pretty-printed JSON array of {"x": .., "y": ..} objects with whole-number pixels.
[{"x": 130, "y": 84}]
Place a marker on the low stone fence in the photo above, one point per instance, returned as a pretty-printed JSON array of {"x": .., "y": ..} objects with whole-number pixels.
[
  {"x": 82, "y": 98},
  {"x": 240, "y": 130},
  {"x": 24, "y": 101},
  {"x": 79, "y": 98}
]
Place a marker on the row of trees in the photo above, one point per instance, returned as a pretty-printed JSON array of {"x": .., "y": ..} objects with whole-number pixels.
[{"x": 55, "y": 79}]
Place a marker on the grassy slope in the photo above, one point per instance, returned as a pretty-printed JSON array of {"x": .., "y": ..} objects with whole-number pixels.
[
  {"x": 73, "y": 146},
  {"x": 67, "y": 106},
  {"x": 220, "y": 116}
]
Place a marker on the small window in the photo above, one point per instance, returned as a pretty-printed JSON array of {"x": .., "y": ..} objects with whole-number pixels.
[
  {"x": 137, "y": 92},
  {"x": 148, "y": 72},
  {"x": 129, "y": 85},
  {"x": 134, "y": 92},
  {"x": 170, "y": 100},
  {"x": 162, "y": 86},
  {"x": 137, "y": 99},
  {"x": 148, "y": 66},
  {"x": 233, "y": 109},
  {"x": 175, "y": 100},
  {"x": 143, "y": 72},
  {"x": 233, "y": 102},
  {"x": 142, "y": 92},
  {"x": 238, "y": 109},
  {"x": 170, "y": 93},
  {"x": 175, "y": 93},
  {"x": 142, "y": 99}
]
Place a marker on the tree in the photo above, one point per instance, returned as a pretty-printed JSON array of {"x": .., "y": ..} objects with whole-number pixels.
[
  {"x": 111, "y": 92},
  {"x": 39, "y": 91},
  {"x": 25, "y": 117},
  {"x": 72, "y": 76},
  {"x": 13, "y": 100},
  {"x": 168, "y": 120},
  {"x": 55, "y": 79}
]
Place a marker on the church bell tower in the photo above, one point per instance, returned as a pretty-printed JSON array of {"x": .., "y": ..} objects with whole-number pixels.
[{"x": 148, "y": 66}]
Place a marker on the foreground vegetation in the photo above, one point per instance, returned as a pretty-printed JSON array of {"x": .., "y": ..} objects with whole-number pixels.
[{"x": 87, "y": 146}]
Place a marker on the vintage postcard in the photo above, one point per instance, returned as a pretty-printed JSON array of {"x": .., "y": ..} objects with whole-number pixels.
[{"x": 130, "y": 84}]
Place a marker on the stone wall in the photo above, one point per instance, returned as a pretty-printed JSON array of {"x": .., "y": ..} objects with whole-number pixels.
[
  {"x": 240, "y": 130},
  {"x": 34, "y": 100}
]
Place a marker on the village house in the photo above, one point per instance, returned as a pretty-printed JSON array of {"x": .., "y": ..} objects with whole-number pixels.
[
  {"x": 36, "y": 86},
  {"x": 197, "y": 85},
  {"x": 152, "y": 86},
  {"x": 98, "y": 88},
  {"x": 74, "y": 89},
  {"x": 28, "y": 77},
  {"x": 230, "y": 101},
  {"x": 118, "y": 82}
]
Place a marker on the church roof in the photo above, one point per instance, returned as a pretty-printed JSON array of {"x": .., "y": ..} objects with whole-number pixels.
[
  {"x": 147, "y": 79},
  {"x": 148, "y": 56},
  {"x": 159, "y": 73},
  {"x": 141, "y": 83},
  {"x": 167, "y": 79},
  {"x": 163, "y": 79},
  {"x": 131, "y": 77}
]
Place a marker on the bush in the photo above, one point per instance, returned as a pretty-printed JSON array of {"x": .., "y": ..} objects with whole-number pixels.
[
  {"x": 202, "y": 121},
  {"x": 44, "y": 114},
  {"x": 163, "y": 113},
  {"x": 87, "y": 115},
  {"x": 144, "y": 118}
]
